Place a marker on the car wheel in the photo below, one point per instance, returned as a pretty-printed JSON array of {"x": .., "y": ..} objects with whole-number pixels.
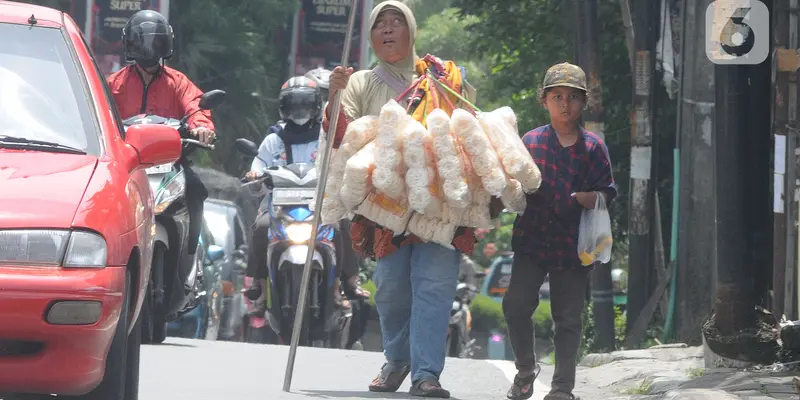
[
  {"x": 121, "y": 377},
  {"x": 154, "y": 323}
]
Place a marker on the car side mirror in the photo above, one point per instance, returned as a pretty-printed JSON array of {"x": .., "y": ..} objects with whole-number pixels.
[
  {"x": 155, "y": 144},
  {"x": 216, "y": 253}
]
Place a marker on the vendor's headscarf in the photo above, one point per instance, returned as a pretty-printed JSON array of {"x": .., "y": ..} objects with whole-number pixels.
[
  {"x": 366, "y": 93},
  {"x": 403, "y": 69}
]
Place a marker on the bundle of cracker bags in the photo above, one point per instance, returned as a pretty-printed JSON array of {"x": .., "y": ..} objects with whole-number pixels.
[{"x": 428, "y": 181}]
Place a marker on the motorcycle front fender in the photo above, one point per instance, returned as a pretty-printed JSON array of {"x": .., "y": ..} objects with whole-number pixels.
[{"x": 296, "y": 254}]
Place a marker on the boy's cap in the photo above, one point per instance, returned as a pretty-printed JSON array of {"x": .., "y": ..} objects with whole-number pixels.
[{"x": 565, "y": 74}]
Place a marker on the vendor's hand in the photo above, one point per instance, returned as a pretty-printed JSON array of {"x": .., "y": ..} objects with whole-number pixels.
[
  {"x": 338, "y": 80},
  {"x": 252, "y": 175},
  {"x": 203, "y": 134},
  {"x": 586, "y": 199}
]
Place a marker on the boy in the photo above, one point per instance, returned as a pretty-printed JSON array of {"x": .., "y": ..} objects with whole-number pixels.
[{"x": 575, "y": 168}]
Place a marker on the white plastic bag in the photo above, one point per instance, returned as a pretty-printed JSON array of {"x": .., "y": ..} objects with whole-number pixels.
[{"x": 594, "y": 234}]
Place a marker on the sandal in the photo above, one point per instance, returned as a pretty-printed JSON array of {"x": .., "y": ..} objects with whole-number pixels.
[
  {"x": 429, "y": 388},
  {"x": 523, "y": 385},
  {"x": 390, "y": 379},
  {"x": 561, "y": 396}
]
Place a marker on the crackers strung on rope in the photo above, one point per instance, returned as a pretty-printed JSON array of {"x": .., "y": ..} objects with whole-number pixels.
[{"x": 394, "y": 171}]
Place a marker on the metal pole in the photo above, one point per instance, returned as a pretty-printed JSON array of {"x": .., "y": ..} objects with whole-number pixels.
[
  {"x": 322, "y": 177},
  {"x": 641, "y": 190}
]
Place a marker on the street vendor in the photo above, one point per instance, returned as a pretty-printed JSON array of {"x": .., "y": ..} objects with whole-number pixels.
[
  {"x": 576, "y": 168},
  {"x": 416, "y": 281}
]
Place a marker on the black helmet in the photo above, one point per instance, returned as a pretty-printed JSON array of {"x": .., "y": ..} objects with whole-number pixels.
[
  {"x": 147, "y": 38},
  {"x": 300, "y": 101}
]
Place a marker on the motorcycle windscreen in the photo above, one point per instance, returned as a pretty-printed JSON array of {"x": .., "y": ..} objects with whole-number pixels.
[{"x": 293, "y": 196}]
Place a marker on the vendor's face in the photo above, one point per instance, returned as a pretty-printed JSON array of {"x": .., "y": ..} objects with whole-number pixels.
[
  {"x": 390, "y": 36},
  {"x": 565, "y": 104}
]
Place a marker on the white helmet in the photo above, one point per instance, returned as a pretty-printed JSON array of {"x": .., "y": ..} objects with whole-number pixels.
[{"x": 321, "y": 76}]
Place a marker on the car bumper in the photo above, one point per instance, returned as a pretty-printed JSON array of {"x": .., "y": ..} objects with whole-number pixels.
[{"x": 37, "y": 356}]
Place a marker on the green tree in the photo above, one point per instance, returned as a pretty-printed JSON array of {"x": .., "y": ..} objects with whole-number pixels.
[{"x": 241, "y": 48}]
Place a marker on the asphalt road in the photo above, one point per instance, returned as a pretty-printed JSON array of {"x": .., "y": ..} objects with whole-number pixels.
[{"x": 204, "y": 370}]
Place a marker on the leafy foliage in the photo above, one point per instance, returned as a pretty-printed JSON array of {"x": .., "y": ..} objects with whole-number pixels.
[{"x": 242, "y": 49}]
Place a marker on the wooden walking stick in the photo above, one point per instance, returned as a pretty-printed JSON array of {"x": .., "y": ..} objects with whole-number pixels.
[{"x": 322, "y": 177}]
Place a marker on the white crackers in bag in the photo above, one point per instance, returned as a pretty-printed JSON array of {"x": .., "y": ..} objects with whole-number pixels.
[
  {"x": 388, "y": 176},
  {"x": 357, "y": 183},
  {"x": 480, "y": 151},
  {"x": 421, "y": 178},
  {"x": 500, "y": 127},
  {"x": 432, "y": 229},
  {"x": 389, "y": 213},
  {"x": 449, "y": 166},
  {"x": 357, "y": 135}
]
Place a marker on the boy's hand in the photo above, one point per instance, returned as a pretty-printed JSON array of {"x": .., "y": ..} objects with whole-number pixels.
[{"x": 586, "y": 199}]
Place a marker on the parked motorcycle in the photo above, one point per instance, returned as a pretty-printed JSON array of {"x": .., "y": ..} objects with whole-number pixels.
[
  {"x": 293, "y": 190},
  {"x": 174, "y": 289},
  {"x": 459, "y": 342}
]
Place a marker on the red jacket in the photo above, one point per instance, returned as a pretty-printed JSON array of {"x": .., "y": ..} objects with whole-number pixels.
[{"x": 170, "y": 94}]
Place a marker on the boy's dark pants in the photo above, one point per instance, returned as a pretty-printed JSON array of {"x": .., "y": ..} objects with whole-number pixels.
[{"x": 567, "y": 297}]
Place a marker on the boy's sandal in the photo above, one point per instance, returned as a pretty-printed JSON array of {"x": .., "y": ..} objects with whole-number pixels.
[
  {"x": 523, "y": 386},
  {"x": 561, "y": 396},
  {"x": 429, "y": 388},
  {"x": 390, "y": 379}
]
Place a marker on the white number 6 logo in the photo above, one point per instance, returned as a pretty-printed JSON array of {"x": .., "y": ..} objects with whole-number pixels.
[{"x": 737, "y": 32}]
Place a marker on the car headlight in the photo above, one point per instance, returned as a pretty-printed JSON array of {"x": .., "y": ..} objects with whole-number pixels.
[
  {"x": 169, "y": 192},
  {"x": 71, "y": 249},
  {"x": 298, "y": 232}
]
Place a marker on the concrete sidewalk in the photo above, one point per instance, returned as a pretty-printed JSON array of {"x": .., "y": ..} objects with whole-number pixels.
[{"x": 675, "y": 372}]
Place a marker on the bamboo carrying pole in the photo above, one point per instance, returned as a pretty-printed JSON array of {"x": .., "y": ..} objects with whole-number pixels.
[{"x": 322, "y": 177}]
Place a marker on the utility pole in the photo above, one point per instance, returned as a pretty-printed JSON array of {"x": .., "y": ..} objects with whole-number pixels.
[
  {"x": 733, "y": 308},
  {"x": 780, "y": 115},
  {"x": 588, "y": 58},
  {"x": 696, "y": 220},
  {"x": 641, "y": 192},
  {"x": 792, "y": 142}
]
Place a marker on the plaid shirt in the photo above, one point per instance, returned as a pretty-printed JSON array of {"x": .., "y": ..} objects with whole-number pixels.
[{"x": 548, "y": 230}]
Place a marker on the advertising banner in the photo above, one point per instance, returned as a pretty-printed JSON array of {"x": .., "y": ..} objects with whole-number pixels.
[
  {"x": 320, "y": 30},
  {"x": 104, "y": 24}
]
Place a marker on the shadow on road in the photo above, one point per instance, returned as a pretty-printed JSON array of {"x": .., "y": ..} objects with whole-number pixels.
[{"x": 349, "y": 394}]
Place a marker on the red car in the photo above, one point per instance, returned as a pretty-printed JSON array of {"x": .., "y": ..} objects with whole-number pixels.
[{"x": 76, "y": 215}]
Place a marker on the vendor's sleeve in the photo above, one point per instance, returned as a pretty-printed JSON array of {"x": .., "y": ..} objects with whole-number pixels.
[
  {"x": 601, "y": 176},
  {"x": 348, "y": 111}
]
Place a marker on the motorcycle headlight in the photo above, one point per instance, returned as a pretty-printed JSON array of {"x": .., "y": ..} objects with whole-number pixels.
[
  {"x": 298, "y": 232},
  {"x": 71, "y": 249},
  {"x": 456, "y": 306},
  {"x": 169, "y": 192}
]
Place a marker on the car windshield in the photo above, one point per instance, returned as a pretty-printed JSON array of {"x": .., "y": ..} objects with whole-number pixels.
[{"x": 41, "y": 93}]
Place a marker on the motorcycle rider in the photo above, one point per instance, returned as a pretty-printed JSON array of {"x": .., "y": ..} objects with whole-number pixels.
[
  {"x": 294, "y": 139},
  {"x": 149, "y": 86}
]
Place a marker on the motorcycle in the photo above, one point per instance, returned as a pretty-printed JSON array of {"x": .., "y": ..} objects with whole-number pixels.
[
  {"x": 459, "y": 343},
  {"x": 293, "y": 190},
  {"x": 176, "y": 285}
]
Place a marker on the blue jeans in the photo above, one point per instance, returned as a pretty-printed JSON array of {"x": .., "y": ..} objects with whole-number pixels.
[{"x": 415, "y": 287}]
